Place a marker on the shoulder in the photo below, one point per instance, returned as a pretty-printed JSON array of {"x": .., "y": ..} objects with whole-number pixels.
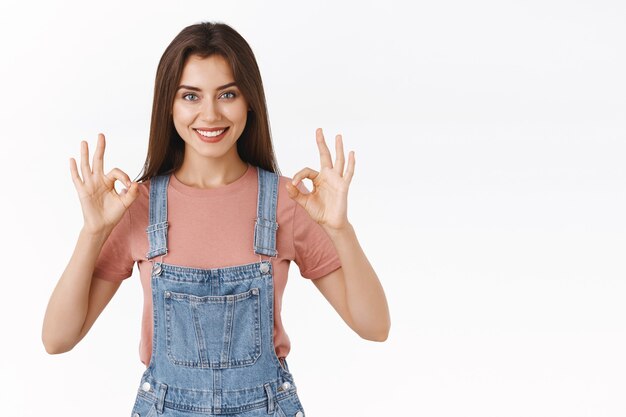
[
  {"x": 140, "y": 203},
  {"x": 285, "y": 203}
]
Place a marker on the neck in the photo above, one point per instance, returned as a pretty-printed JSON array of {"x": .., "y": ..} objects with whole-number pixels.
[{"x": 211, "y": 175}]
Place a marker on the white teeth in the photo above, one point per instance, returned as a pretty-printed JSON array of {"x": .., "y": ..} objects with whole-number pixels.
[{"x": 211, "y": 134}]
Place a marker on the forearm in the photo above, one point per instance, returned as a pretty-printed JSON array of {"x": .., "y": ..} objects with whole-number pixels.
[
  {"x": 68, "y": 305},
  {"x": 365, "y": 296}
]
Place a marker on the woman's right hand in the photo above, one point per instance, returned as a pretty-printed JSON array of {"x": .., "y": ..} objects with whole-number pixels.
[{"x": 102, "y": 206}]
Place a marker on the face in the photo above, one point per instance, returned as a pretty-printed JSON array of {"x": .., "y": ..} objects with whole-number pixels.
[{"x": 207, "y": 101}]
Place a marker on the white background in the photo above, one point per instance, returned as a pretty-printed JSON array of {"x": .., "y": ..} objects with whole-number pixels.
[{"x": 488, "y": 195}]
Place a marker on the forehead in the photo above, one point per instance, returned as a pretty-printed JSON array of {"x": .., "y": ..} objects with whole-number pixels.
[{"x": 206, "y": 72}]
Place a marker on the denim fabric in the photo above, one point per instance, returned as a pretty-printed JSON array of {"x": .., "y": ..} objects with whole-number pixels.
[{"x": 213, "y": 340}]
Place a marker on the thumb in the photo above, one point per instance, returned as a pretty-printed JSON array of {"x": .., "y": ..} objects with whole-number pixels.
[
  {"x": 295, "y": 194},
  {"x": 129, "y": 195}
]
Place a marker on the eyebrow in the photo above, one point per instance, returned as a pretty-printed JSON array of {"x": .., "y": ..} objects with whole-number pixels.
[{"x": 188, "y": 87}]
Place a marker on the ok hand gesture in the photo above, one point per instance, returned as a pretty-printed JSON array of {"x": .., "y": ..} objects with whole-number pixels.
[
  {"x": 102, "y": 206},
  {"x": 327, "y": 204}
]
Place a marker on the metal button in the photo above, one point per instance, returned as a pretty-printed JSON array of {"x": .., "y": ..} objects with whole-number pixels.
[
  {"x": 145, "y": 386},
  {"x": 286, "y": 385},
  {"x": 264, "y": 267},
  {"x": 157, "y": 270},
  {"x": 168, "y": 294},
  {"x": 299, "y": 414},
  {"x": 255, "y": 291},
  {"x": 136, "y": 415}
]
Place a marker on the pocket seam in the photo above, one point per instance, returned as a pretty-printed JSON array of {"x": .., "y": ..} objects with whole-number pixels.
[
  {"x": 187, "y": 299},
  {"x": 279, "y": 411},
  {"x": 290, "y": 400},
  {"x": 138, "y": 406},
  {"x": 152, "y": 411}
]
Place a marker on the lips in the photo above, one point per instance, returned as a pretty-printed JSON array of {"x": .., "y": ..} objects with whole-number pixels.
[
  {"x": 211, "y": 139},
  {"x": 210, "y": 129}
]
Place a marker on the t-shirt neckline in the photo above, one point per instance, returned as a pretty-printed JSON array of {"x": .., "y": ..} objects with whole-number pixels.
[{"x": 236, "y": 186}]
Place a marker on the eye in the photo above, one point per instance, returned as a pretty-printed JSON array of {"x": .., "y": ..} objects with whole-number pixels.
[
  {"x": 189, "y": 94},
  {"x": 230, "y": 92}
]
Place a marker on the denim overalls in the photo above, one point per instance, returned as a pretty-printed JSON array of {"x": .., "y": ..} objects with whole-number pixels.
[{"x": 213, "y": 340}]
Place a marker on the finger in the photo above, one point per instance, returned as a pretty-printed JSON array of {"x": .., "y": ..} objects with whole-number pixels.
[
  {"x": 340, "y": 158},
  {"x": 296, "y": 194},
  {"x": 98, "y": 156},
  {"x": 74, "y": 171},
  {"x": 118, "y": 174},
  {"x": 130, "y": 194},
  {"x": 325, "y": 157},
  {"x": 292, "y": 190},
  {"x": 304, "y": 173},
  {"x": 84, "y": 161},
  {"x": 350, "y": 169}
]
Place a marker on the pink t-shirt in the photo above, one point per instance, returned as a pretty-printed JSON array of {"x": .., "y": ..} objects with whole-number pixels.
[{"x": 213, "y": 228}]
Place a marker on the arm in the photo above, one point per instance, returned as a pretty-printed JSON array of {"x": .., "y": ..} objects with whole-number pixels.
[
  {"x": 354, "y": 289},
  {"x": 77, "y": 299}
]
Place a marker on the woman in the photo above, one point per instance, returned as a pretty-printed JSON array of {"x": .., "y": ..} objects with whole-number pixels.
[{"x": 212, "y": 338}]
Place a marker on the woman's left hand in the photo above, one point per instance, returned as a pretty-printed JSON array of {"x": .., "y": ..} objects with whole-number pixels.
[{"x": 327, "y": 204}]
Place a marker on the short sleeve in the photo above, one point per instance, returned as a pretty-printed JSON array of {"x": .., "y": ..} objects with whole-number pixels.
[
  {"x": 315, "y": 253},
  {"x": 115, "y": 262}
]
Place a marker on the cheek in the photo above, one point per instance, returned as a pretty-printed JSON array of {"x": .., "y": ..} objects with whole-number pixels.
[
  {"x": 181, "y": 114},
  {"x": 237, "y": 113}
]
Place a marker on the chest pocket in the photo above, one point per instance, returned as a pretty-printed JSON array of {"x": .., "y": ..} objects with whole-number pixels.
[{"x": 213, "y": 331}]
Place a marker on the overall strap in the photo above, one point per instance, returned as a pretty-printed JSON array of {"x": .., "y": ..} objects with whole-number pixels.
[
  {"x": 266, "y": 225},
  {"x": 157, "y": 227}
]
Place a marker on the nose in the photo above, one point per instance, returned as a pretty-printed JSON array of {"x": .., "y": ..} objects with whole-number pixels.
[{"x": 210, "y": 111}]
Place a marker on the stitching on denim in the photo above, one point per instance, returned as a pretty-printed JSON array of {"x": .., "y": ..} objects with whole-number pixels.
[
  {"x": 251, "y": 267},
  {"x": 157, "y": 226},
  {"x": 255, "y": 353}
]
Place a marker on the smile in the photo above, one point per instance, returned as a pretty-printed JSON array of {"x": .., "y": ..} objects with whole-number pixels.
[
  {"x": 211, "y": 134},
  {"x": 214, "y": 136}
]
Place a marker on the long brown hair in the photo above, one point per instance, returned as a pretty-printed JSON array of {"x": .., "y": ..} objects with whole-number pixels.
[{"x": 166, "y": 147}]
